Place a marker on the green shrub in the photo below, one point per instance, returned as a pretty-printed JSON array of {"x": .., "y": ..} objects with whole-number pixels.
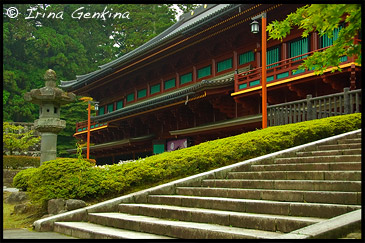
[
  {"x": 69, "y": 178},
  {"x": 21, "y": 179},
  {"x": 18, "y": 162},
  {"x": 62, "y": 178}
]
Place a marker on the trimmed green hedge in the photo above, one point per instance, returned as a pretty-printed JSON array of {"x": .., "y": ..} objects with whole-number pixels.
[
  {"x": 19, "y": 162},
  {"x": 68, "y": 178},
  {"x": 22, "y": 178}
]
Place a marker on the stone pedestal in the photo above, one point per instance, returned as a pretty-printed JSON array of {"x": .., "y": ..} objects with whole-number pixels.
[{"x": 48, "y": 146}]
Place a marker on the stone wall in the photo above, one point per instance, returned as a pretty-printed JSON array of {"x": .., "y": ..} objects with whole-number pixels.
[
  {"x": 8, "y": 176},
  {"x": 33, "y": 150}
]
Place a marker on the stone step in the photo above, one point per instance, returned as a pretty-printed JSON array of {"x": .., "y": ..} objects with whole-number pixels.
[
  {"x": 339, "y": 146},
  {"x": 319, "y": 210},
  {"x": 178, "y": 229},
  {"x": 298, "y": 175},
  {"x": 264, "y": 222},
  {"x": 85, "y": 230},
  {"x": 331, "y": 197},
  {"x": 307, "y": 167},
  {"x": 310, "y": 185},
  {"x": 330, "y": 152},
  {"x": 349, "y": 141},
  {"x": 316, "y": 159}
]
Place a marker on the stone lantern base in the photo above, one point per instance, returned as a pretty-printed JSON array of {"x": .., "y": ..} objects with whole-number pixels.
[{"x": 48, "y": 146}]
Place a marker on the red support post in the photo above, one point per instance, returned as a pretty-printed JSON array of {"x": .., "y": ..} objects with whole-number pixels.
[
  {"x": 88, "y": 131},
  {"x": 263, "y": 75}
]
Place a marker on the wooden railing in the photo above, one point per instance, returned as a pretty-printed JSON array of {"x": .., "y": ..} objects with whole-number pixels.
[
  {"x": 310, "y": 108},
  {"x": 82, "y": 126},
  {"x": 274, "y": 72}
]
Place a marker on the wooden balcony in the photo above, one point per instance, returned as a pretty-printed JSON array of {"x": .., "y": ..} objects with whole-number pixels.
[
  {"x": 82, "y": 126},
  {"x": 276, "y": 72}
]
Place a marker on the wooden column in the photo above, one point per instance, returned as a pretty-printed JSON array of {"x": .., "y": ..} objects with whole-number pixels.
[
  {"x": 177, "y": 80},
  {"x": 263, "y": 75},
  {"x": 235, "y": 61},
  {"x": 314, "y": 41},
  {"x": 88, "y": 130},
  {"x": 214, "y": 70},
  {"x": 284, "y": 51},
  {"x": 194, "y": 74}
]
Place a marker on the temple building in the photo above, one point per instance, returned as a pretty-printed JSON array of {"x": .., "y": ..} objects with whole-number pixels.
[{"x": 199, "y": 80}]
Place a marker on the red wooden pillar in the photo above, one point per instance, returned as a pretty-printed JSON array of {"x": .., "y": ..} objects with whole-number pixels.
[
  {"x": 213, "y": 68},
  {"x": 263, "y": 75},
  {"x": 88, "y": 131},
  {"x": 194, "y": 74},
  {"x": 314, "y": 41}
]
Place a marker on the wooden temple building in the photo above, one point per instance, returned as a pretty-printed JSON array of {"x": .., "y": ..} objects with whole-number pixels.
[{"x": 199, "y": 80}]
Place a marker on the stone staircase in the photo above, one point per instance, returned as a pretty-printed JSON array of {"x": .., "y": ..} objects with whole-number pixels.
[{"x": 264, "y": 199}]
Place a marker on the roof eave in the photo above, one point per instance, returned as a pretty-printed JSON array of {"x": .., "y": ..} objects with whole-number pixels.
[{"x": 159, "y": 40}]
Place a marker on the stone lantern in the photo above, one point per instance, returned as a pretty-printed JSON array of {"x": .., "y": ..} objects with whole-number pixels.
[{"x": 49, "y": 98}]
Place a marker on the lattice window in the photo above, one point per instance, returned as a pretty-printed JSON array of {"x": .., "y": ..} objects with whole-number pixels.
[
  {"x": 246, "y": 57},
  {"x": 141, "y": 93},
  {"x": 186, "y": 78},
  {"x": 224, "y": 65},
  {"x": 155, "y": 89},
  {"x": 205, "y": 71},
  {"x": 170, "y": 84},
  {"x": 130, "y": 97}
]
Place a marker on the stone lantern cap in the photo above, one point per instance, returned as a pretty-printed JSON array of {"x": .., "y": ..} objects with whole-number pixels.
[{"x": 50, "y": 93}]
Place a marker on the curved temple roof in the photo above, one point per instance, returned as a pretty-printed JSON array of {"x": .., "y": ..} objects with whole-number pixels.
[{"x": 187, "y": 23}]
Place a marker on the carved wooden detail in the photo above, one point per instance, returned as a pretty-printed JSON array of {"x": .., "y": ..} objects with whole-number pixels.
[
  {"x": 225, "y": 105},
  {"x": 299, "y": 92}
]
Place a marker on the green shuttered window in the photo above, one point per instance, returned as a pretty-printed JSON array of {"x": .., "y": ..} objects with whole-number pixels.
[
  {"x": 246, "y": 57},
  {"x": 186, "y": 78},
  {"x": 224, "y": 65},
  {"x": 120, "y": 104},
  {"x": 272, "y": 56},
  {"x": 170, "y": 84},
  {"x": 141, "y": 93},
  {"x": 110, "y": 108},
  {"x": 299, "y": 47},
  {"x": 205, "y": 71},
  {"x": 325, "y": 41},
  {"x": 155, "y": 89},
  {"x": 130, "y": 97},
  {"x": 101, "y": 110}
]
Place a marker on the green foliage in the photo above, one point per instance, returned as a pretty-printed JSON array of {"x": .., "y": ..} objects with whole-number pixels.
[
  {"x": 79, "y": 151},
  {"x": 70, "y": 47},
  {"x": 62, "y": 178},
  {"x": 146, "y": 21},
  {"x": 73, "y": 112},
  {"x": 22, "y": 178},
  {"x": 15, "y": 139},
  {"x": 17, "y": 162},
  {"x": 324, "y": 18},
  {"x": 74, "y": 178}
]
